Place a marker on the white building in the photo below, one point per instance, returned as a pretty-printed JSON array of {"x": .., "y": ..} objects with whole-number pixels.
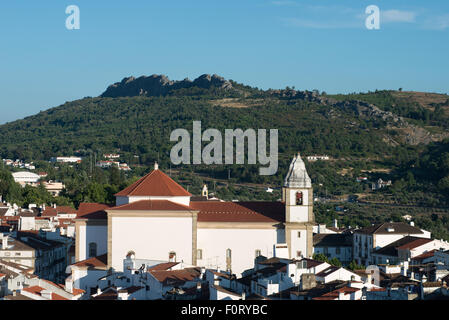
[
  {"x": 25, "y": 177},
  {"x": 367, "y": 240},
  {"x": 66, "y": 159},
  {"x": 155, "y": 218}
]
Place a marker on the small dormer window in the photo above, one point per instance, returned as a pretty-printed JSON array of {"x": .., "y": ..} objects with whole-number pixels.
[{"x": 299, "y": 198}]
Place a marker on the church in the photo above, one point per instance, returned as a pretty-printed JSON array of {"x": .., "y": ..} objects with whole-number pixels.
[{"x": 157, "y": 219}]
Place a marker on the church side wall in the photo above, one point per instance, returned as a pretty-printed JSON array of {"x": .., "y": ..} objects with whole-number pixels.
[
  {"x": 151, "y": 238},
  {"x": 213, "y": 242}
]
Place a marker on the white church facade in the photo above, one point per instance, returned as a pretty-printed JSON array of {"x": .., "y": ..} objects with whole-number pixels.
[{"x": 157, "y": 219}]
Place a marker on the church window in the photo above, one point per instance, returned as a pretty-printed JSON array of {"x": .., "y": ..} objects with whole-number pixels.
[
  {"x": 172, "y": 256},
  {"x": 299, "y": 234},
  {"x": 199, "y": 254},
  {"x": 299, "y": 198},
  {"x": 92, "y": 249}
]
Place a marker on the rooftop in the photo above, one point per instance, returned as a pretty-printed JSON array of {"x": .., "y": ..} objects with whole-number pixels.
[{"x": 156, "y": 183}]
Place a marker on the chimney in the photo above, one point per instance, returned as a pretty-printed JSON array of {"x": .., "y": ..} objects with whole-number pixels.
[
  {"x": 14, "y": 293},
  {"x": 5, "y": 243},
  {"x": 308, "y": 281},
  {"x": 205, "y": 192},
  {"x": 43, "y": 207},
  {"x": 243, "y": 295},
  {"x": 412, "y": 223},
  {"x": 156, "y": 166},
  {"x": 122, "y": 295},
  {"x": 46, "y": 294},
  {"x": 405, "y": 268},
  {"x": 54, "y": 205},
  {"x": 69, "y": 285},
  {"x": 341, "y": 295},
  {"x": 336, "y": 223}
]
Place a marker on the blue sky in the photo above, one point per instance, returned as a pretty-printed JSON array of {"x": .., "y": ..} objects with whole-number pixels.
[{"x": 309, "y": 44}]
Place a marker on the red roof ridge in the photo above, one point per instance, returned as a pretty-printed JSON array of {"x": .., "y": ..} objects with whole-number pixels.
[
  {"x": 156, "y": 205},
  {"x": 155, "y": 183}
]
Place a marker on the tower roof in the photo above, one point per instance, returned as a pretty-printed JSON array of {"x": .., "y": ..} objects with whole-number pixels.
[
  {"x": 156, "y": 183},
  {"x": 297, "y": 176}
]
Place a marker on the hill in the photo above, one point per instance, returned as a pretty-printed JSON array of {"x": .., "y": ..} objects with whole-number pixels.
[{"x": 360, "y": 132}]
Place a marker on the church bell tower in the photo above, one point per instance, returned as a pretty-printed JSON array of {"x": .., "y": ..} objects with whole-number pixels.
[{"x": 297, "y": 194}]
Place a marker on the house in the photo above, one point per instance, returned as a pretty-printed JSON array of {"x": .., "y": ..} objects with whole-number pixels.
[
  {"x": 114, "y": 293},
  {"x": 25, "y": 177},
  {"x": 369, "y": 239},
  {"x": 333, "y": 273},
  {"x": 13, "y": 276},
  {"x": 85, "y": 274},
  {"x": 406, "y": 248},
  {"x": 48, "y": 258},
  {"x": 338, "y": 245},
  {"x": 162, "y": 281},
  {"x": 54, "y": 187},
  {"x": 66, "y": 159},
  {"x": 210, "y": 234},
  {"x": 380, "y": 184},
  {"x": 39, "y": 289}
]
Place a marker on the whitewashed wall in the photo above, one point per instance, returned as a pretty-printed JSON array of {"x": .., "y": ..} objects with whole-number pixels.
[
  {"x": 151, "y": 238},
  {"x": 242, "y": 242}
]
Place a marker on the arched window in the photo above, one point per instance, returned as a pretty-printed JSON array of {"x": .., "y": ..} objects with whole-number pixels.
[
  {"x": 92, "y": 249},
  {"x": 299, "y": 198}
]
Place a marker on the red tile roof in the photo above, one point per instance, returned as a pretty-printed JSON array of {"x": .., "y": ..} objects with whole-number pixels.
[
  {"x": 215, "y": 211},
  {"x": 92, "y": 211},
  {"x": 163, "y": 266},
  {"x": 176, "y": 276},
  {"x": 34, "y": 289},
  {"x": 157, "y": 205},
  {"x": 156, "y": 183},
  {"x": 415, "y": 243},
  {"x": 425, "y": 255},
  {"x": 95, "y": 262},
  {"x": 52, "y": 212}
]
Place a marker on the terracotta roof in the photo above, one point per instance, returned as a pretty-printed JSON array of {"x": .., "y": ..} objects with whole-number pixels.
[
  {"x": 176, "y": 276},
  {"x": 396, "y": 228},
  {"x": 415, "y": 243},
  {"x": 92, "y": 211},
  {"x": 163, "y": 266},
  {"x": 108, "y": 294},
  {"x": 403, "y": 243},
  {"x": 214, "y": 211},
  {"x": 95, "y": 262},
  {"x": 156, "y": 183},
  {"x": 156, "y": 205},
  {"x": 52, "y": 212},
  {"x": 425, "y": 255}
]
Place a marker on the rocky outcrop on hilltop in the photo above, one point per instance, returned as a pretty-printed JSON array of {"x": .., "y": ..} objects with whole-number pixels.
[{"x": 160, "y": 85}]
